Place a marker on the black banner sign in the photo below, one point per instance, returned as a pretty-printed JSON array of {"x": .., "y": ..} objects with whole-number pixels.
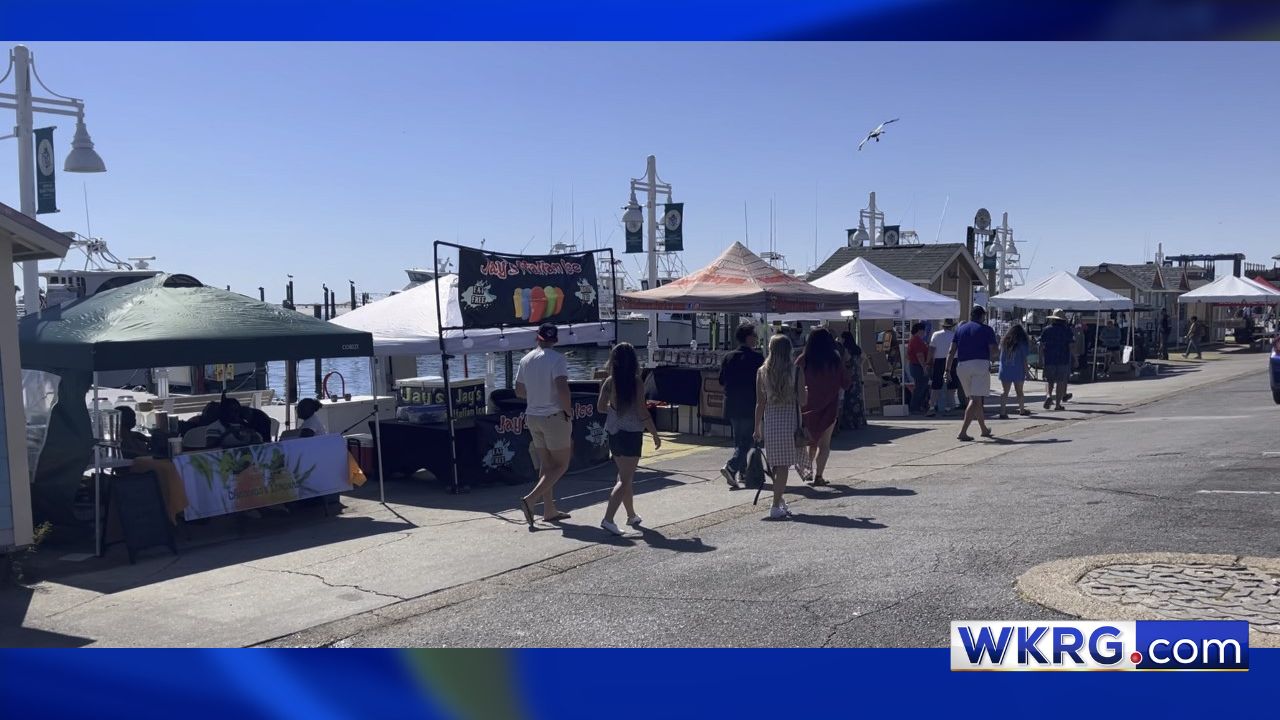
[
  {"x": 503, "y": 442},
  {"x": 497, "y": 290},
  {"x": 635, "y": 236},
  {"x": 46, "y": 189},
  {"x": 673, "y": 225}
]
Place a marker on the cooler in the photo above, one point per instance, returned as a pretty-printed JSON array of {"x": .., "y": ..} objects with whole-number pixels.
[
  {"x": 360, "y": 446},
  {"x": 468, "y": 394}
]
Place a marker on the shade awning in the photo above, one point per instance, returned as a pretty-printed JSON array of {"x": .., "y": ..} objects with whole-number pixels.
[
  {"x": 407, "y": 324},
  {"x": 881, "y": 295},
  {"x": 739, "y": 281},
  {"x": 1230, "y": 289},
  {"x": 174, "y": 320},
  {"x": 1061, "y": 291}
]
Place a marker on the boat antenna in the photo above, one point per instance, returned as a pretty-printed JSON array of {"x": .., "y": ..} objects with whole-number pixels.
[
  {"x": 88, "y": 227},
  {"x": 946, "y": 202},
  {"x": 815, "y": 225}
]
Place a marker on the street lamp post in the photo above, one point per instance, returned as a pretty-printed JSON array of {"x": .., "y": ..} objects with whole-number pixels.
[
  {"x": 650, "y": 185},
  {"x": 82, "y": 158}
]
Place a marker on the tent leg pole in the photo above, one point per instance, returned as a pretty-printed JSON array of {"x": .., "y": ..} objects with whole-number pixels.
[
  {"x": 377, "y": 436},
  {"x": 97, "y": 471}
]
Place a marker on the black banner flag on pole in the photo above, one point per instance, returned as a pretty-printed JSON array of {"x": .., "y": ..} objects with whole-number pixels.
[
  {"x": 498, "y": 290},
  {"x": 46, "y": 191},
  {"x": 635, "y": 236},
  {"x": 673, "y": 224}
]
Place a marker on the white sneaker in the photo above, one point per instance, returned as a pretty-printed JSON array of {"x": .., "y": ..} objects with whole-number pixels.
[
  {"x": 728, "y": 476},
  {"x": 786, "y": 509},
  {"x": 611, "y": 527},
  {"x": 778, "y": 513},
  {"x": 635, "y": 521}
]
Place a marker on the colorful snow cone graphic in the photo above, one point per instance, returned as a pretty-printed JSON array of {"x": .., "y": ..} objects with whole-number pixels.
[
  {"x": 538, "y": 305},
  {"x": 517, "y": 297},
  {"x": 555, "y": 300},
  {"x": 526, "y": 296}
]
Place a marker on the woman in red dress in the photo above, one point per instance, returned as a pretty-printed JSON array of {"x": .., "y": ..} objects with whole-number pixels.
[{"x": 825, "y": 375}]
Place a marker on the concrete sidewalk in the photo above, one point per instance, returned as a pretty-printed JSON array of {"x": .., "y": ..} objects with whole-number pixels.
[{"x": 281, "y": 576}]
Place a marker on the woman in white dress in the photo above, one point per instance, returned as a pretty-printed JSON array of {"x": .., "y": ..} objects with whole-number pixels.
[{"x": 779, "y": 395}]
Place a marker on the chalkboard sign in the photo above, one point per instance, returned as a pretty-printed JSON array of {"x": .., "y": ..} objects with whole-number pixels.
[{"x": 140, "y": 507}]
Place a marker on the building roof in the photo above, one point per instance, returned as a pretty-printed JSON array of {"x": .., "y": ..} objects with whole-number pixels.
[
  {"x": 31, "y": 240},
  {"x": 1143, "y": 277},
  {"x": 913, "y": 263}
]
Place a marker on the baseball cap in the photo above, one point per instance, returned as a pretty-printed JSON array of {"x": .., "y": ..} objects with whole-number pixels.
[
  {"x": 979, "y": 310},
  {"x": 548, "y": 332}
]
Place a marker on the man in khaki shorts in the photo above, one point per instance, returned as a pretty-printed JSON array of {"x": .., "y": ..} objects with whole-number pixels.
[
  {"x": 543, "y": 382},
  {"x": 973, "y": 348}
]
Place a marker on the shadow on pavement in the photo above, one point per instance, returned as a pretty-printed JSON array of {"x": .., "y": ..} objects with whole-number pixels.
[
  {"x": 14, "y": 602},
  {"x": 658, "y": 541},
  {"x": 836, "y": 490},
  {"x": 837, "y": 521},
  {"x": 599, "y": 536},
  {"x": 876, "y": 434}
]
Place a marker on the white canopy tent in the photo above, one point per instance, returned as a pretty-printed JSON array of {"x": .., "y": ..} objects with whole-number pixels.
[
  {"x": 406, "y": 324},
  {"x": 881, "y": 296},
  {"x": 1064, "y": 291},
  {"x": 1230, "y": 289},
  {"x": 1061, "y": 291}
]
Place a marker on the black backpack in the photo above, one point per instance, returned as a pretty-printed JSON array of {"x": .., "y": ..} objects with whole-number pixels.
[{"x": 756, "y": 471}]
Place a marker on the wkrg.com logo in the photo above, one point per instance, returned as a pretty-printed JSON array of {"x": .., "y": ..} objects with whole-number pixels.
[{"x": 1127, "y": 645}]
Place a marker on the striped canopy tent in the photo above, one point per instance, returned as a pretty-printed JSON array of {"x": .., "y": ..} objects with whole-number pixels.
[{"x": 739, "y": 281}]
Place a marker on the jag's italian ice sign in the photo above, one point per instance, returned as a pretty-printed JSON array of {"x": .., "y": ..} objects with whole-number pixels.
[
  {"x": 467, "y": 401},
  {"x": 497, "y": 290}
]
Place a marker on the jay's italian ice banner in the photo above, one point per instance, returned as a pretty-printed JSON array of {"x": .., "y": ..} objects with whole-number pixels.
[
  {"x": 497, "y": 290},
  {"x": 220, "y": 482}
]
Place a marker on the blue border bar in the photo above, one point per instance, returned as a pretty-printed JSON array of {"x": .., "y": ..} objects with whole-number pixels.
[{"x": 653, "y": 20}]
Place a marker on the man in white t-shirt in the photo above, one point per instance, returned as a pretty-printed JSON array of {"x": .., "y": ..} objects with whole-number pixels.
[
  {"x": 939, "y": 345},
  {"x": 543, "y": 382}
]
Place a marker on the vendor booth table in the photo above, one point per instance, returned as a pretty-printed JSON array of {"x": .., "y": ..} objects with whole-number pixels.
[
  {"x": 168, "y": 321},
  {"x": 1068, "y": 293}
]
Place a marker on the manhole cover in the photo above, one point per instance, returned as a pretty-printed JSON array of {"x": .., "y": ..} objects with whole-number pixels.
[
  {"x": 1190, "y": 591},
  {"x": 1162, "y": 586}
]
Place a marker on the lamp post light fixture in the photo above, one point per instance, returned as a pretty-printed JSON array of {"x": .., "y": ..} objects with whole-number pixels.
[
  {"x": 651, "y": 186},
  {"x": 82, "y": 158}
]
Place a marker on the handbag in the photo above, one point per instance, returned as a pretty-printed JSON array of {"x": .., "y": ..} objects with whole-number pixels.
[{"x": 802, "y": 439}]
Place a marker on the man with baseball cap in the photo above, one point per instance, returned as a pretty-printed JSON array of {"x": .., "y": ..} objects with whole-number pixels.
[
  {"x": 543, "y": 382},
  {"x": 973, "y": 348}
]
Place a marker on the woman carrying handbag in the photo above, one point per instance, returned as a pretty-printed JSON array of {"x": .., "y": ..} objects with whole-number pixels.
[{"x": 779, "y": 395}]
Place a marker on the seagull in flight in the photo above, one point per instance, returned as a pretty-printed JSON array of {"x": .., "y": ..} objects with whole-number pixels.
[{"x": 875, "y": 134}]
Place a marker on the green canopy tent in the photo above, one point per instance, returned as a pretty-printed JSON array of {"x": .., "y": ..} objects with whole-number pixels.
[{"x": 165, "y": 321}]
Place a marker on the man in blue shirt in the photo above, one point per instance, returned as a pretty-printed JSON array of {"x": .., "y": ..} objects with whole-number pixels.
[
  {"x": 1056, "y": 343},
  {"x": 973, "y": 348}
]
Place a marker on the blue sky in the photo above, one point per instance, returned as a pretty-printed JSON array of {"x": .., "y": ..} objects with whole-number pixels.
[{"x": 241, "y": 163}]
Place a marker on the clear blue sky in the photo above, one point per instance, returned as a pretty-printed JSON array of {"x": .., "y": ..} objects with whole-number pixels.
[{"x": 239, "y": 163}]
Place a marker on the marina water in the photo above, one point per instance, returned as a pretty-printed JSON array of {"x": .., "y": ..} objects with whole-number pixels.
[{"x": 583, "y": 361}]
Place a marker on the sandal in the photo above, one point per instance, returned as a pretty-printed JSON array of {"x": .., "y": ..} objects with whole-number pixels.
[
  {"x": 1024, "y": 411},
  {"x": 819, "y": 480},
  {"x": 964, "y": 438},
  {"x": 558, "y": 516},
  {"x": 1003, "y": 416},
  {"x": 988, "y": 434}
]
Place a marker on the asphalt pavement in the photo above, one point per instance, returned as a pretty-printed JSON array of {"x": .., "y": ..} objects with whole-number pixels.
[{"x": 878, "y": 561}]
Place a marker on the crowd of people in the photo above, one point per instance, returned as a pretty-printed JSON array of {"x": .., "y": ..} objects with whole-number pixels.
[{"x": 787, "y": 402}]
